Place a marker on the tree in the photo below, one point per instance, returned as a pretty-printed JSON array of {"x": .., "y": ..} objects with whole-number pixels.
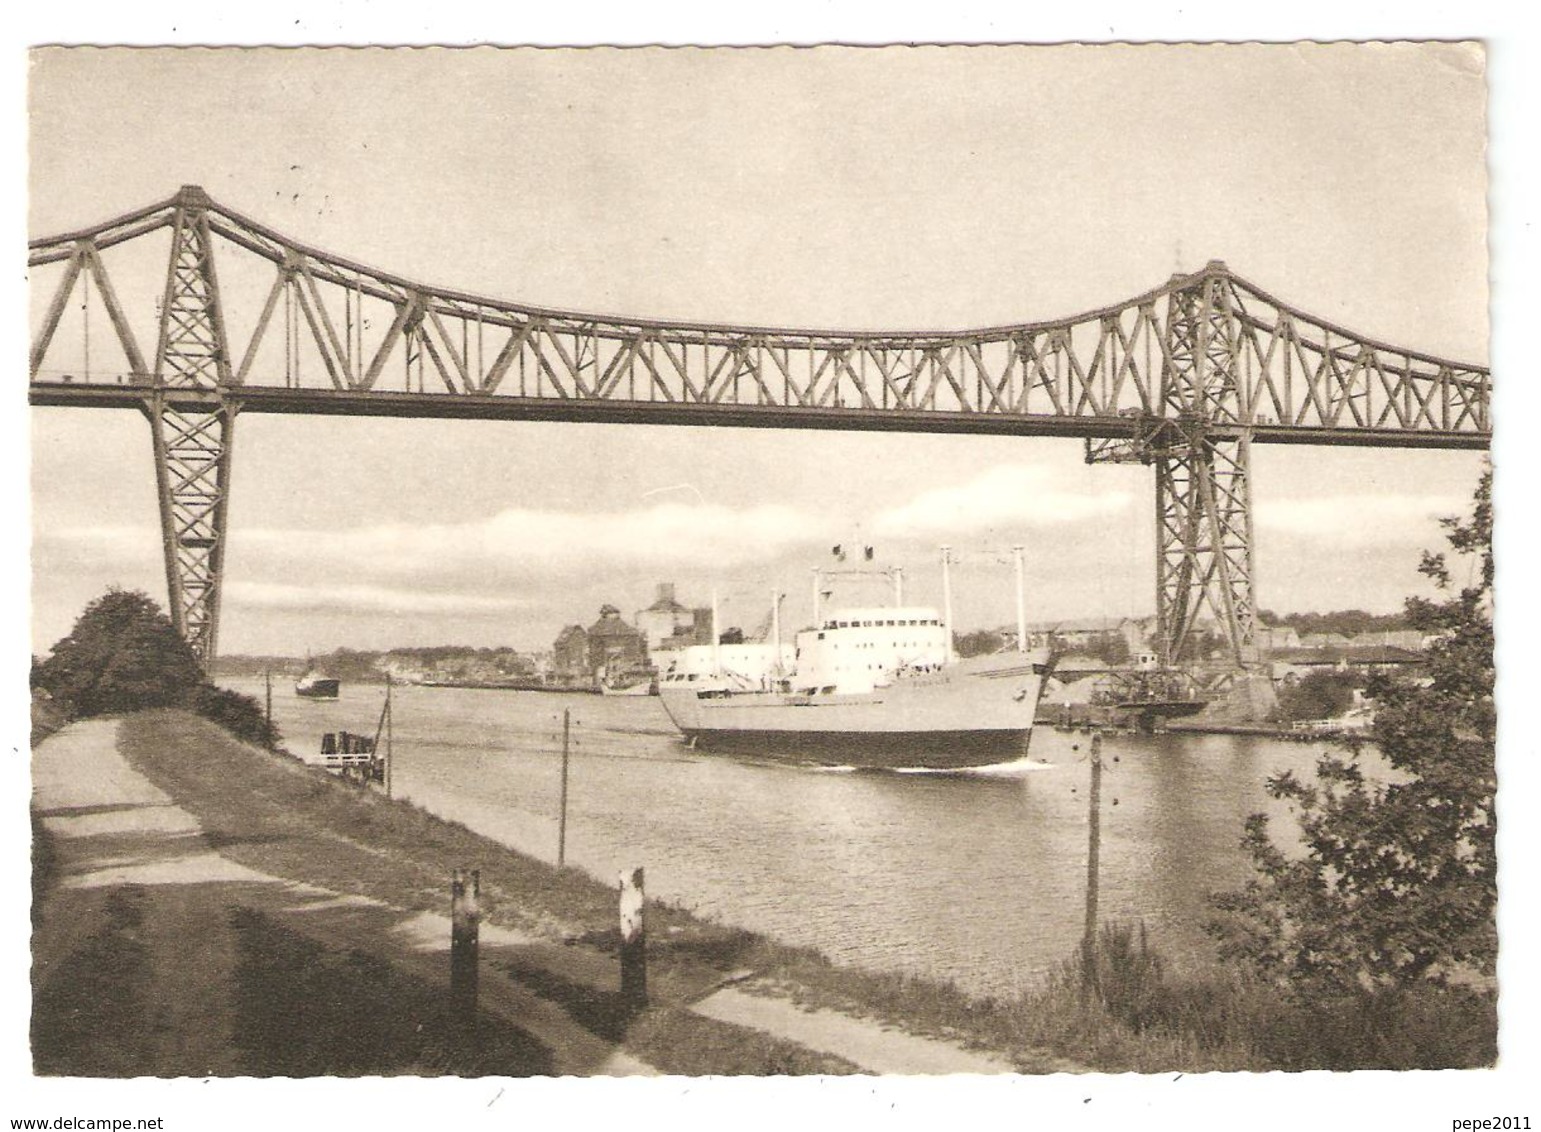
[
  {"x": 1110, "y": 648},
  {"x": 122, "y": 654},
  {"x": 978, "y": 643},
  {"x": 1319, "y": 695},
  {"x": 1397, "y": 884}
]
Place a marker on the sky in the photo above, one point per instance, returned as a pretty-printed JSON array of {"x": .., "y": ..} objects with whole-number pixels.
[{"x": 836, "y": 187}]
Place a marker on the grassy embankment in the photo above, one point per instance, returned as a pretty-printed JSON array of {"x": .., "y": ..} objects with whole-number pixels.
[{"x": 292, "y": 821}]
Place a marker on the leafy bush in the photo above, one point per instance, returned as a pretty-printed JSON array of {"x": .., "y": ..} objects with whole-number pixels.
[
  {"x": 240, "y": 715},
  {"x": 1319, "y": 695},
  {"x": 1397, "y": 886},
  {"x": 978, "y": 643},
  {"x": 122, "y": 655}
]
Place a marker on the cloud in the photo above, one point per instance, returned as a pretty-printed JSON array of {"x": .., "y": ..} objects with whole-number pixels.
[
  {"x": 1358, "y": 520},
  {"x": 1017, "y": 495},
  {"x": 365, "y": 599},
  {"x": 555, "y": 541},
  {"x": 664, "y": 533},
  {"x": 110, "y": 542},
  {"x": 369, "y": 566}
]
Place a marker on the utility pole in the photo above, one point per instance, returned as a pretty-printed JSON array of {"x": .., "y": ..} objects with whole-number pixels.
[
  {"x": 1093, "y": 848},
  {"x": 390, "y": 726},
  {"x": 561, "y": 834}
]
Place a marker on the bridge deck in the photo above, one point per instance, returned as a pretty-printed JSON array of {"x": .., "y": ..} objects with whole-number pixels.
[{"x": 470, "y": 406}]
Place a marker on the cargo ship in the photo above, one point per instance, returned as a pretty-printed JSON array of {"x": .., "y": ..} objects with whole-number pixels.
[{"x": 866, "y": 687}]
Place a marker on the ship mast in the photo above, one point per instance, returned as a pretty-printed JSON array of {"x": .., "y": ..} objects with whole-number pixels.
[
  {"x": 716, "y": 638},
  {"x": 1016, "y": 552},
  {"x": 898, "y": 575},
  {"x": 947, "y": 599},
  {"x": 817, "y": 583},
  {"x": 776, "y": 627}
]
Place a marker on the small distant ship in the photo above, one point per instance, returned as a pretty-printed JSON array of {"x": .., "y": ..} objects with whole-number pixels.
[
  {"x": 865, "y": 687},
  {"x": 314, "y": 686},
  {"x": 639, "y": 685}
]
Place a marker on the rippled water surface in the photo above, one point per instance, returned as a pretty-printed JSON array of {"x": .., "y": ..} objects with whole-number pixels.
[{"x": 976, "y": 878}]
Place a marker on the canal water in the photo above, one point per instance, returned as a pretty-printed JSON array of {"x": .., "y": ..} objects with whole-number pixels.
[{"x": 976, "y": 878}]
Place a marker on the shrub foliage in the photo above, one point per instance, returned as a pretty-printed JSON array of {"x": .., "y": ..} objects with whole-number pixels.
[{"x": 123, "y": 654}]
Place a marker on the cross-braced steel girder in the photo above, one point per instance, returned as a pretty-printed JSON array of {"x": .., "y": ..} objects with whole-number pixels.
[
  {"x": 1203, "y": 482},
  {"x": 192, "y": 433}
]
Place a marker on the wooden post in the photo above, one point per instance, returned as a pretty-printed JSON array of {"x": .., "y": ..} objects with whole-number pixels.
[
  {"x": 270, "y": 709},
  {"x": 465, "y": 920},
  {"x": 633, "y": 939},
  {"x": 1094, "y": 846},
  {"x": 561, "y": 829}
]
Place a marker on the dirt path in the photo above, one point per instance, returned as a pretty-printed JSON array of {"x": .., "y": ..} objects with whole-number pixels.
[
  {"x": 876, "y": 1049},
  {"x": 132, "y": 861}
]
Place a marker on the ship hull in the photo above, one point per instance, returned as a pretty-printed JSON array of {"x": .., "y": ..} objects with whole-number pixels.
[
  {"x": 324, "y": 689},
  {"x": 935, "y": 750},
  {"x": 973, "y": 713}
]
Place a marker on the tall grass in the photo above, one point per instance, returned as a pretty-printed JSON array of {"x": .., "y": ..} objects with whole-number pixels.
[{"x": 1221, "y": 1016}]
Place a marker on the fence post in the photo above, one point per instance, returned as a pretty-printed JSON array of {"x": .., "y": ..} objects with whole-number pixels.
[
  {"x": 633, "y": 939},
  {"x": 465, "y": 918}
]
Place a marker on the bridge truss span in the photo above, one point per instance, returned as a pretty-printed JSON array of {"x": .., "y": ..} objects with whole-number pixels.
[{"x": 1185, "y": 377}]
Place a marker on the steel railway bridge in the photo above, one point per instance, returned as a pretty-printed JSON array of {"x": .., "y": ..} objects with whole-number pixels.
[{"x": 1185, "y": 378}]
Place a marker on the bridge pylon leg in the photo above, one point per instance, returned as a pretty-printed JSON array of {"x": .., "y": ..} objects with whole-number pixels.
[
  {"x": 192, "y": 473},
  {"x": 192, "y": 424},
  {"x": 1204, "y": 548},
  {"x": 1203, "y": 479}
]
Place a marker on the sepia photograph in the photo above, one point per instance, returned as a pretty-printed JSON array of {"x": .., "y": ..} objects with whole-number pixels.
[{"x": 836, "y": 562}]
